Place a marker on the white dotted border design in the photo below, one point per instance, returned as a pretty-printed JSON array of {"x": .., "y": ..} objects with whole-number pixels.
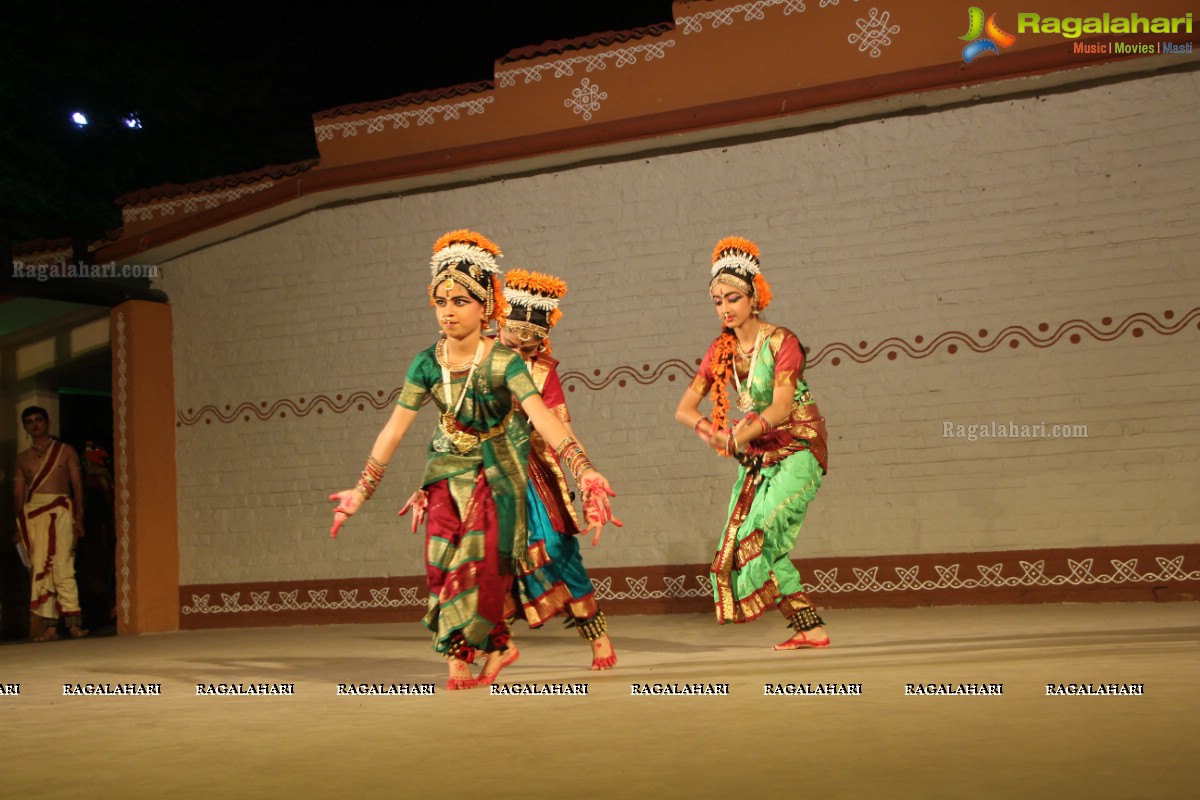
[
  {"x": 401, "y": 119},
  {"x": 122, "y": 421},
  {"x": 318, "y": 600},
  {"x": 865, "y": 580},
  {"x": 874, "y": 32},
  {"x": 194, "y": 203},
  {"x": 991, "y": 576},
  {"x": 638, "y": 589},
  {"x": 565, "y": 68},
  {"x": 751, "y": 12}
]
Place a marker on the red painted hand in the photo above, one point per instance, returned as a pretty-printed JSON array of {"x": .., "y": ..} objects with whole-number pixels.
[
  {"x": 348, "y": 502},
  {"x": 596, "y": 506},
  {"x": 419, "y": 503}
]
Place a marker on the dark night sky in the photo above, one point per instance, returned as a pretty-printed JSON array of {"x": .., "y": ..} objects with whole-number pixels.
[{"x": 224, "y": 87}]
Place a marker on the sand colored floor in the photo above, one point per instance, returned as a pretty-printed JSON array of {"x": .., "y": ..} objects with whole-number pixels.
[{"x": 881, "y": 744}]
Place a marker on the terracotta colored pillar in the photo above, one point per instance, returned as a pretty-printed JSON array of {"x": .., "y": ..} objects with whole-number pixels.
[{"x": 144, "y": 458}]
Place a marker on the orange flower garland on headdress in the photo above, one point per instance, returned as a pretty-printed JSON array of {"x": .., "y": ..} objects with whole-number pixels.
[
  {"x": 735, "y": 243},
  {"x": 469, "y": 259},
  {"x": 533, "y": 304}
]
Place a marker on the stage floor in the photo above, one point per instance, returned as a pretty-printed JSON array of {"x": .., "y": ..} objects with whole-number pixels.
[{"x": 880, "y": 743}]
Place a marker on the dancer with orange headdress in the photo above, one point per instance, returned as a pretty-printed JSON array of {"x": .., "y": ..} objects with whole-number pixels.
[
  {"x": 533, "y": 300},
  {"x": 780, "y": 444},
  {"x": 473, "y": 490}
]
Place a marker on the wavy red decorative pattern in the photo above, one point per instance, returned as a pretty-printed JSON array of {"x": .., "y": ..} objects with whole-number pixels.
[{"x": 1073, "y": 331}]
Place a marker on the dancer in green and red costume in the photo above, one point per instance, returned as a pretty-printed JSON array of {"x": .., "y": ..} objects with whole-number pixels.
[
  {"x": 780, "y": 444},
  {"x": 475, "y": 472}
]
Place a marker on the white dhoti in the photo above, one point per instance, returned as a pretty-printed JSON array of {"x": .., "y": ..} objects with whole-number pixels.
[{"x": 47, "y": 528}]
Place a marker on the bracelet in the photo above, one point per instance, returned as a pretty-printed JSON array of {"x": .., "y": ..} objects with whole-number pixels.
[
  {"x": 731, "y": 445},
  {"x": 371, "y": 476},
  {"x": 767, "y": 427},
  {"x": 696, "y": 427},
  {"x": 571, "y": 454}
]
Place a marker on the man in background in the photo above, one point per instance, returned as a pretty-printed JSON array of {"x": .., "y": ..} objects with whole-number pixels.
[{"x": 48, "y": 493}]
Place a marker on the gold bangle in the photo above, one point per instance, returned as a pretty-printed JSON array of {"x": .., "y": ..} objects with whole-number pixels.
[
  {"x": 564, "y": 444},
  {"x": 731, "y": 445},
  {"x": 572, "y": 456}
]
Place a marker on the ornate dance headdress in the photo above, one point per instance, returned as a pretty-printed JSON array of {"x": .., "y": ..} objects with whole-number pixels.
[
  {"x": 533, "y": 303},
  {"x": 735, "y": 262},
  {"x": 468, "y": 259}
]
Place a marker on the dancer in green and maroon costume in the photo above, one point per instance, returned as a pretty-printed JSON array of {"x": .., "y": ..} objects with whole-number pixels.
[{"x": 473, "y": 492}]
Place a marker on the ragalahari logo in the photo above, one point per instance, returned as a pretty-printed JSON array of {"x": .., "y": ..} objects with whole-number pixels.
[{"x": 978, "y": 43}]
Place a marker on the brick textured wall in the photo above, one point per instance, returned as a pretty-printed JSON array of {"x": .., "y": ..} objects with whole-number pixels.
[{"x": 938, "y": 267}]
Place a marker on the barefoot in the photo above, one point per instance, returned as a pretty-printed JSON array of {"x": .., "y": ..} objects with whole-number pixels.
[
  {"x": 460, "y": 675},
  {"x": 805, "y": 639},
  {"x": 603, "y": 654},
  {"x": 77, "y": 632},
  {"x": 50, "y": 634},
  {"x": 497, "y": 661}
]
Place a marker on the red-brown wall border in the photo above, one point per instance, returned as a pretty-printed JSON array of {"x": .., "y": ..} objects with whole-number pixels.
[{"x": 1134, "y": 573}]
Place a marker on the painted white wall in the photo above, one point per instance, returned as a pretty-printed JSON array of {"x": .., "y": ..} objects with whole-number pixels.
[{"x": 1072, "y": 206}]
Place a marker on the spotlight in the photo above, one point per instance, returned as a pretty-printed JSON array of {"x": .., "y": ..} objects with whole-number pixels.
[{"x": 80, "y": 119}]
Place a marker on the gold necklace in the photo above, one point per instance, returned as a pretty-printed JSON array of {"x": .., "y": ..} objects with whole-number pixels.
[
  {"x": 745, "y": 402},
  {"x": 762, "y": 326},
  {"x": 462, "y": 441},
  {"x": 440, "y": 354}
]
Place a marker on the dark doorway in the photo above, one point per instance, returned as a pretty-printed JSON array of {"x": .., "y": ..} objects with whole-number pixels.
[
  {"x": 85, "y": 422},
  {"x": 87, "y": 425}
]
